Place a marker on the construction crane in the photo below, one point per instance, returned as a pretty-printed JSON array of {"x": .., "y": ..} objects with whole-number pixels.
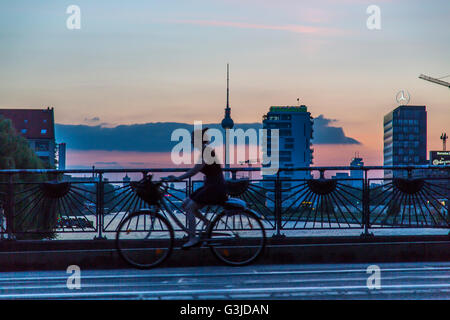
[
  {"x": 249, "y": 162},
  {"x": 444, "y": 136},
  {"x": 434, "y": 80}
]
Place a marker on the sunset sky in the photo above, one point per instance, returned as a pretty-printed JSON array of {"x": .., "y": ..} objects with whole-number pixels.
[{"x": 146, "y": 61}]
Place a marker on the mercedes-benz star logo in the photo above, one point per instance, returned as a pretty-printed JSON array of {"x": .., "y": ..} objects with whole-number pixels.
[{"x": 403, "y": 97}]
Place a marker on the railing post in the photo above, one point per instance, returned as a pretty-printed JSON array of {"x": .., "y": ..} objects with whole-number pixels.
[
  {"x": 189, "y": 187},
  {"x": 322, "y": 174},
  {"x": 366, "y": 207},
  {"x": 100, "y": 207},
  {"x": 189, "y": 191},
  {"x": 448, "y": 197},
  {"x": 278, "y": 207},
  {"x": 9, "y": 214}
]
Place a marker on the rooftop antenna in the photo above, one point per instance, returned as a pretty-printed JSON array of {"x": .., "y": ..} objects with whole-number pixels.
[
  {"x": 444, "y": 138},
  {"x": 298, "y": 101}
]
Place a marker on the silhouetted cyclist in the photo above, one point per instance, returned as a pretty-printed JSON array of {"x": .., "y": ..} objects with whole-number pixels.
[{"x": 213, "y": 192}]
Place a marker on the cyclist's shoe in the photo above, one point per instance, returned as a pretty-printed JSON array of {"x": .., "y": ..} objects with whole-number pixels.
[
  {"x": 202, "y": 234},
  {"x": 192, "y": 242}
]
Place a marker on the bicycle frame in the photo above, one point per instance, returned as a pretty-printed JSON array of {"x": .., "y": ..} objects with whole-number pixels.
[{"x": 164, "y": 205}]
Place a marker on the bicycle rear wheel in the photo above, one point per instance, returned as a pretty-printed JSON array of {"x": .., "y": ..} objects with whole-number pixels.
[
  {"x": 145, "y": 239},
  {"x": 236, "y": 237}
]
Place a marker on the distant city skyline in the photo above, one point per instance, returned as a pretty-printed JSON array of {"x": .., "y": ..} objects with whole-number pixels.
[{"x": 151, "y": 61}]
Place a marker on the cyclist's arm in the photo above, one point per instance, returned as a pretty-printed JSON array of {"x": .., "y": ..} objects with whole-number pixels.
[{"x": 192, "y": 172}]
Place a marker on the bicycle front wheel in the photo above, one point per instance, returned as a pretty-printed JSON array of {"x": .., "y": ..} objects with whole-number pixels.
[
  {"x": 145, "y": 239},
  {"x": 236, "y": 237}
]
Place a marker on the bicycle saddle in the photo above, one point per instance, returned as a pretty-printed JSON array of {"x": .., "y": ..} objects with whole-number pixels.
[{"x": 234, "y": 203}]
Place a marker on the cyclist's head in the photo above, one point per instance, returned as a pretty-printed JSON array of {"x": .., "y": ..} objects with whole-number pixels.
[{"x": 202, "y": 136}]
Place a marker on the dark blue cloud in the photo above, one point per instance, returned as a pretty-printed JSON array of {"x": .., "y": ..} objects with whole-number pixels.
[
  {"x": 155, "y": 137},
  {"x": 325, "y": 134}
]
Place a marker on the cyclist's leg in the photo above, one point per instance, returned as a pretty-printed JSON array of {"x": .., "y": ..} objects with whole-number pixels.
[
  {"x": 195, "y": 209},
  {"x": 190, "y": 208}
]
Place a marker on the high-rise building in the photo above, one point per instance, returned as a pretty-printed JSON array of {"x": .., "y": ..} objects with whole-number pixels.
[
  {"x": 295, "y": 126},
  {"x": 38, "y": 127},
  {"x": 356, "y": 173},
  {"x": 405, "y": 137},
  {"x": 355, "y": 177},
  {"x": 62, "y": 156},
  {"x": 356, "y": 162}
]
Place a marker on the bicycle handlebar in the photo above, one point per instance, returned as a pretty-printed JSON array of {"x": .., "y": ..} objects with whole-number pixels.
[{"x": 164, "y": 185}]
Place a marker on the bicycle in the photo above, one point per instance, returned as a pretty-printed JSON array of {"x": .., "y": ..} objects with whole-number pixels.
[{"x": 146, "y": 238}]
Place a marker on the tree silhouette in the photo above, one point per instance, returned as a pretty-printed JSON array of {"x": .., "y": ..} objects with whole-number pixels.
[{"x": 15, "y": 153}]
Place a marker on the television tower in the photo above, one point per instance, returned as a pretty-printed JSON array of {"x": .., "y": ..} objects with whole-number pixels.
[{"x": 227, "y": 122}]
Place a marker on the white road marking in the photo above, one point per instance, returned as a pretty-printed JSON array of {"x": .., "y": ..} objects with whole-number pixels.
[
  {"x": 156, "y": 284},
  {"x": 217, "y": 274},
  {"x": 214, "y": 291},
  {"x": 13, "y": 286}
]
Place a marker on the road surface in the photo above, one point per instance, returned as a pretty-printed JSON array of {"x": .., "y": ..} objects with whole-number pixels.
[{"x": 321, "y": 281}]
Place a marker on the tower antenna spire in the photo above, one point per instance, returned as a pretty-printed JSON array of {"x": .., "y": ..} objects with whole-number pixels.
[
  {"x": 227, "y": 122},
  {"x": 228, "y": 85}
]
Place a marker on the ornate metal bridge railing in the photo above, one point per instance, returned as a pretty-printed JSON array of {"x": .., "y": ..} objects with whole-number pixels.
[{"x": 332, "y": 201}]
